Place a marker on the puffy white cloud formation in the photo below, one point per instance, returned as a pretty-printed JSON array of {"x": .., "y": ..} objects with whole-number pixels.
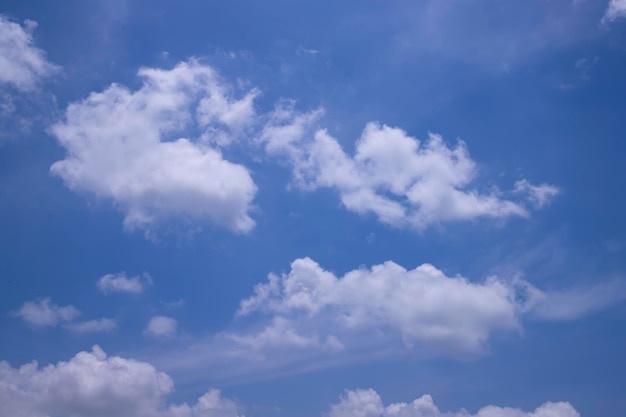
[
  {"x": 310, "y": 318},
  {"x": 425, "y": 306},
  {"x": 43, "y": 312},
  {"x": 312, "y": 308},
  {"x": 403, "y": 181},
  {"x": 161, "y": 326},
  {"x": 153, "y": 151},
  {"x": 615, "y": 10},
  {"x": 22, "y": 64},
  {"x": 92, "y": 384},
  {"x": 127, "y": 146},
  {"x": 121, "y": 283},
  {"x": 367, "y": 403}
]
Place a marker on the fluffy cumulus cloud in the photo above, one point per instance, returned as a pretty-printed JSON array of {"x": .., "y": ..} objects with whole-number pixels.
[
  {"x": 311, "y": 308},
  {"x": 93, "y": 384},
  {"x": 424, "y": 306},
  {"x": 22, "y": 64},
  {"x": 615, "y": 10},
  {"x": 119, "y": 282},
  {"x": 155, "y": 152},
  {"x": 367, "y": 403},
  {"x": 403, "y": 181},
  {"x": 127, "y": 146},
  {"x": 310, "y": 318},
  {"x": 43, "y": 313},
  {"x": 161, "y": 326}
]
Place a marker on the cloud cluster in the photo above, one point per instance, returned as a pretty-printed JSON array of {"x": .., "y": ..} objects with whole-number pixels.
[
  {"x": 403, "y": 181},
  {"x": 22, "y": 64},
  {"x": 92, "y": 384},
  {"x": 367, "y": 403},
  {"x": 153, "y": 151},
  {"x": 43, "y": 313},
  {"x": 127, "y": 146}
]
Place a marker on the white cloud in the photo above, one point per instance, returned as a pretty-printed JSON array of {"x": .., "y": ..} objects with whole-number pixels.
[
  {"x": 301, "y": 50},
  {"x": 286, "y": 129},
  {"x": 427, "y": 309},
  {"x": 358, "y": 403},
  {"x": 22, "y": 64},
  {"x": 539, "y": 195},
  {"x": 24, "y": 107},
  {"x": 125, "y": 145},
  {"x": 310, "y": 318},
  {"x": 367, "y": 403},
  {"x": 121, "y": 283},
  {"x": 93, "y": 384},
  {"x": 43, "y": 313},
  {"x": 281, "y": 333},
  {"x": 402, "y": 181},
  {"x": 211, "y": 404},
  {"x": 90, "y": 326},
  {"x": 161, "y": 326},
  {"x": 137, "y": 148},
  {"x": 615, "y": 10}
]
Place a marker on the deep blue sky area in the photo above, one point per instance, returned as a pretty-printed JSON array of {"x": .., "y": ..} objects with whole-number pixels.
[{"x": 219, "y": 209}]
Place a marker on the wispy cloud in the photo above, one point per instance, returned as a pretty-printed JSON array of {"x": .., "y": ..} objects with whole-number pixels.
[
  {"x": 22, "y": 64},
  {"x": 494, "y": 37},
  {"x": 615, "y": 10},
  {"x": 539, "y": 195},
  {"x": 91, "y": 326},
  {"x": 571, "y": 304}
]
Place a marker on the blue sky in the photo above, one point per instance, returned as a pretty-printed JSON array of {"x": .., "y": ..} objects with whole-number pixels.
[{"x": 219, "y": 209}]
